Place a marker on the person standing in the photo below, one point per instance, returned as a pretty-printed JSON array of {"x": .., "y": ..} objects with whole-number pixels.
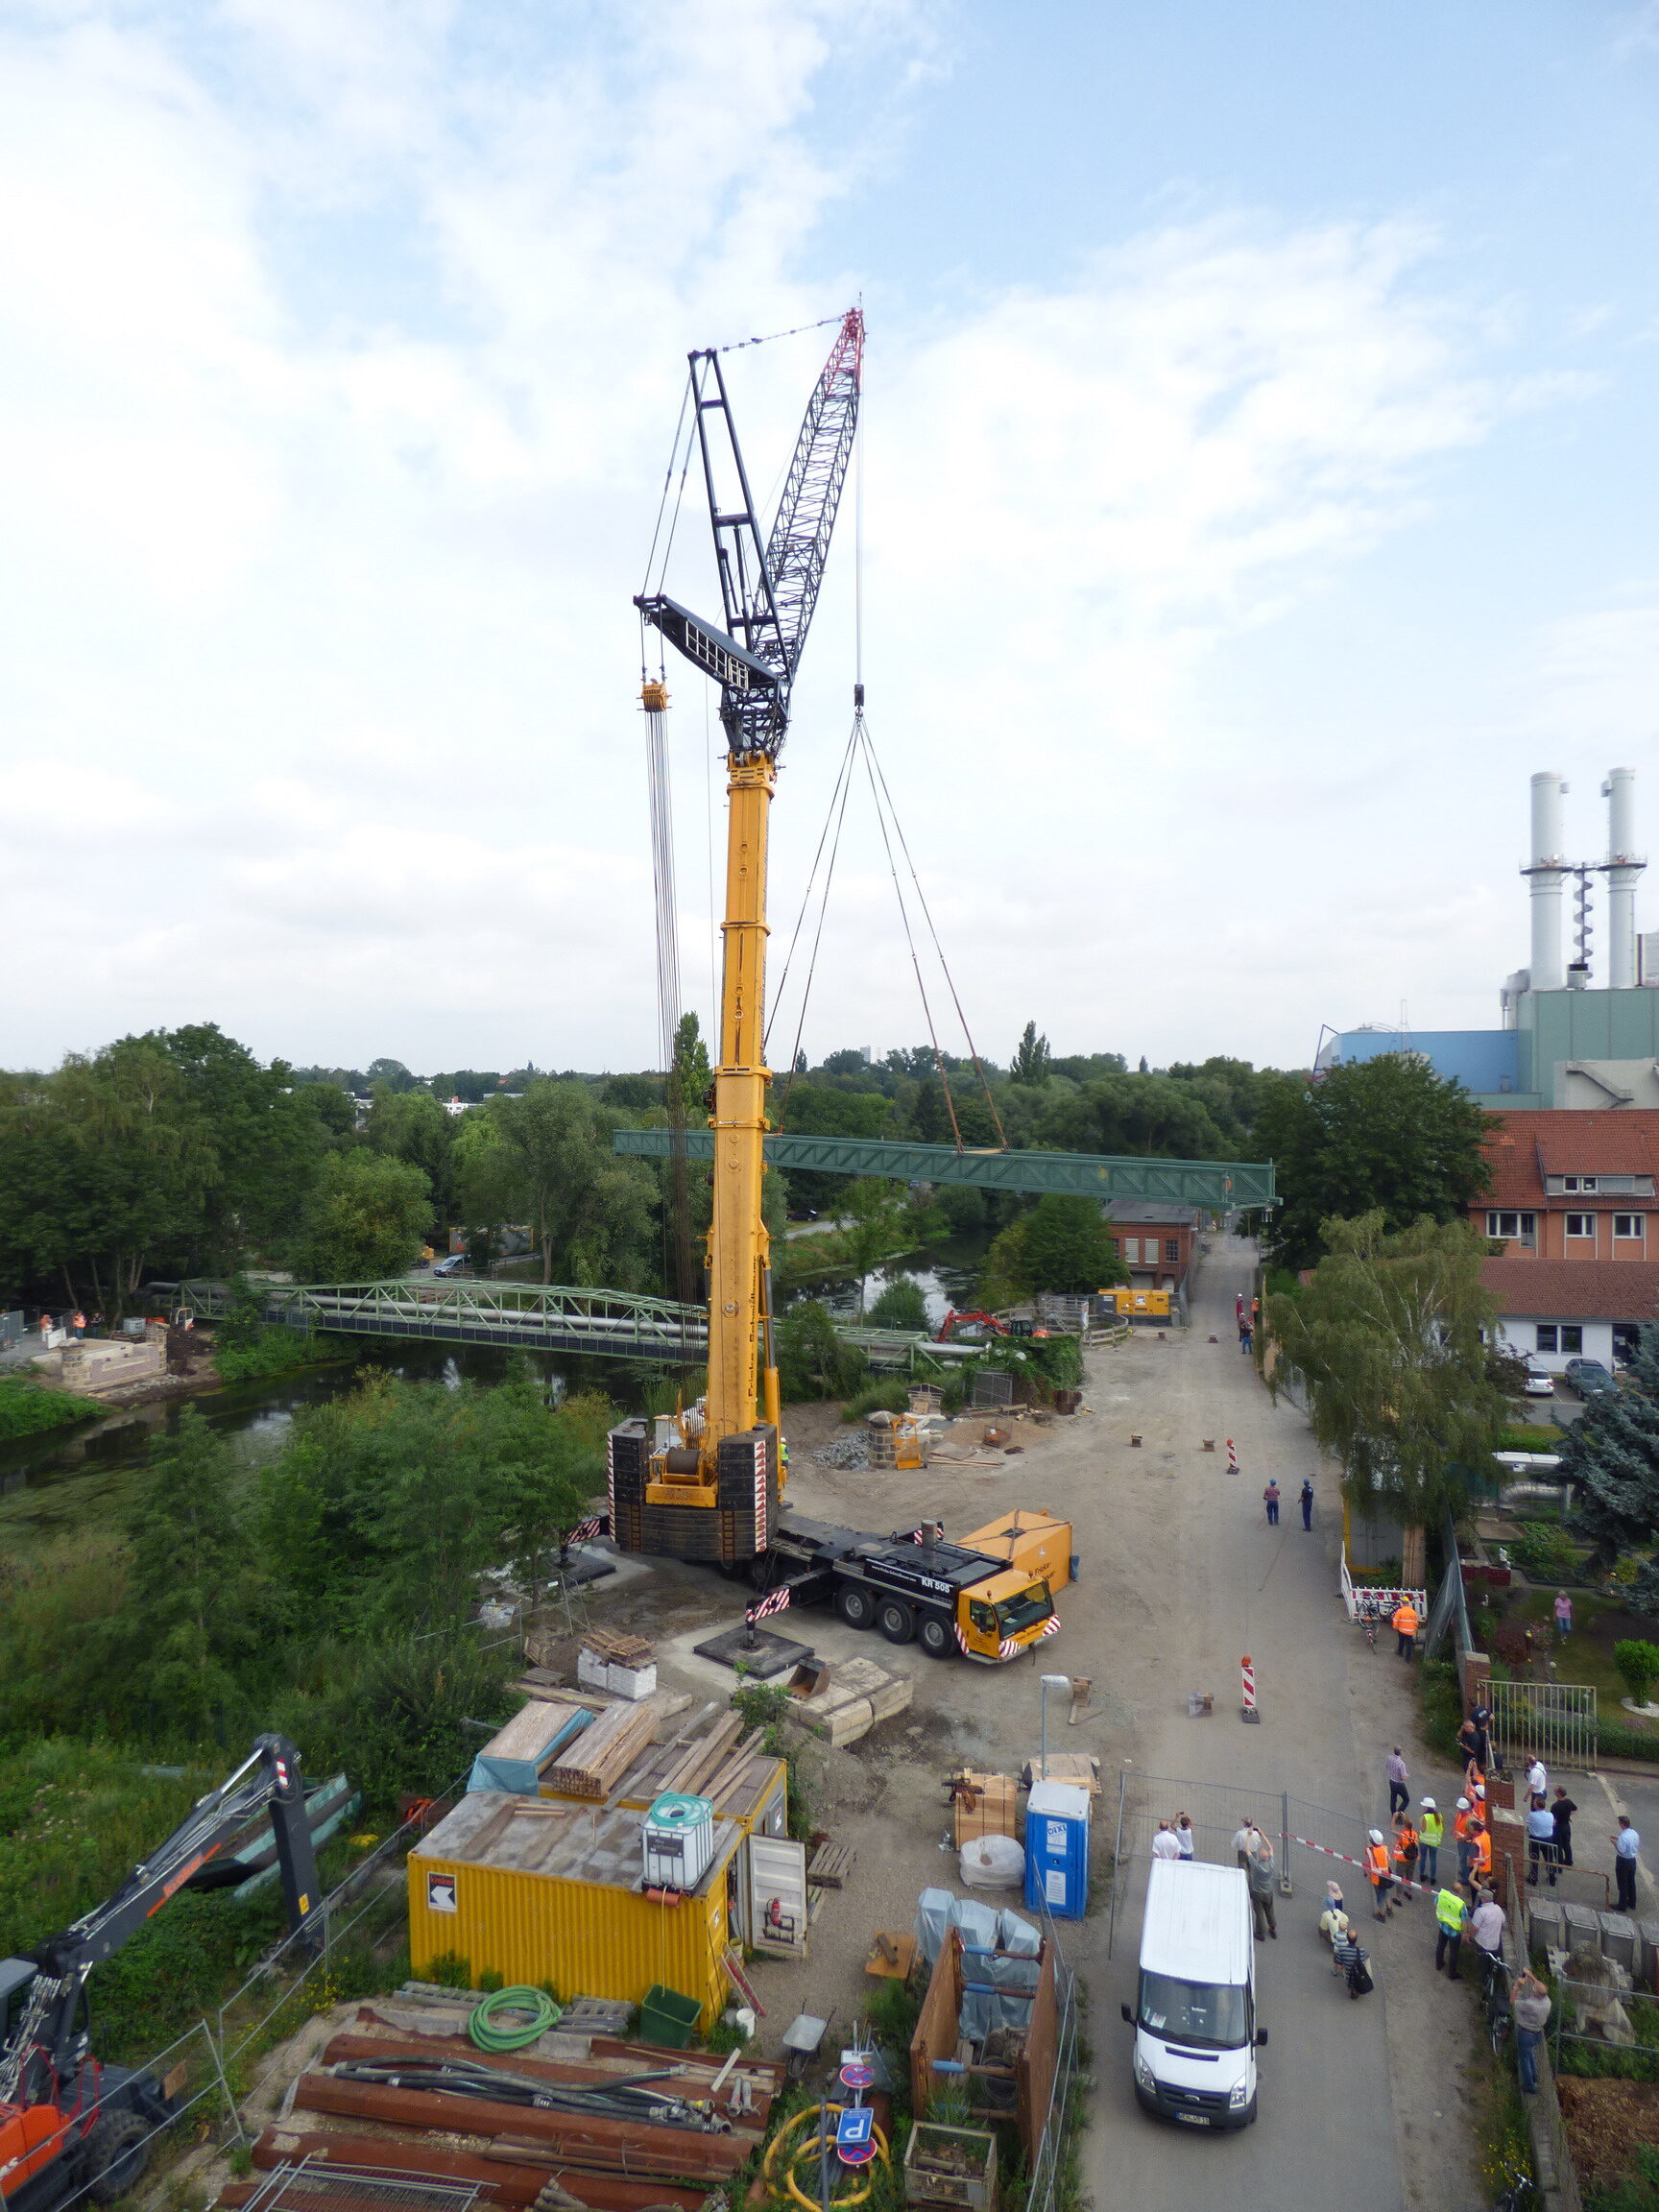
[
  {"x": 1244, "y": 1338},
  {"x": 1430, "y": 1834},
  {"x": 1163, "y": 1843},
  {"x": 1270, "y": 1499},
  {"x": 1563, "y": 1614},
  {"x": 1399, "y": 1775},
  {"x": 1307, "y": 1501},
  {"x": 1537, "y": 1779},
  {"x": 1487, "y": 1926},
  {"x": 1480, "y": 1865},
  {"x": 1466, "y": 1744},
  {"x": 1405, "y": 1848},
  {"x": 79, "y": 1325},
  {"x": 1540, "y": 1842},
  {"x": 1405, "y": 1627},
  {"x": 1239, "y": 1308},
  {"x": 1529, "y": 2003},
  {"x": 1378, "y": 1875},
  {"x": 1185, "y": 1842},
  {"x": 1263, "y": 1873},
  {"x": 1243, "y": 1837},
  {"x": 1561, "y": 1813},
  {"x": 1461, "y": 1820},
  {"x": 1450, "y": 1918},
  {"x": 1482, "y": 1716},
  {"x": 1626, "y": 1844}
]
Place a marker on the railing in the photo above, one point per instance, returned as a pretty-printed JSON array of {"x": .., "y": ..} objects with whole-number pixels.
[
  {"x": 532, "y": 1317},
  {"x": 1555, "y": 1719}
]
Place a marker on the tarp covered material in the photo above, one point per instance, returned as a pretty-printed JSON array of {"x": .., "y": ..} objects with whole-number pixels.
[
  {"x": 514, "y": 1759},
  {"x": 997, "y": 1988}
]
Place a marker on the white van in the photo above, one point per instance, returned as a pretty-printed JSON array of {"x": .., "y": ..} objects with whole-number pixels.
[{"x": 1195, "y": 2012}]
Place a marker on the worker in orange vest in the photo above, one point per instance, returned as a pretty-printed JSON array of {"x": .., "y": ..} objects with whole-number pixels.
[
  {"x": 1481, "y": 1869},
  {"x": 1406, "y": 1626},
  {"x": 1376, "y": 1873},
  {"x": 1404, "y": 1854}
]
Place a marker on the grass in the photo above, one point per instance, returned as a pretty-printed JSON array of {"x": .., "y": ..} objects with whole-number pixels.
[
  {"x": 27, "y": 1409},
  {"x": 276, "y": 1352},
  {"x": 1585, "y": 1657}
]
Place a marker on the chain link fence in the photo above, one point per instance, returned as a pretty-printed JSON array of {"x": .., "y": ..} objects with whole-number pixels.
[{"x": 1054, "y": 2144}]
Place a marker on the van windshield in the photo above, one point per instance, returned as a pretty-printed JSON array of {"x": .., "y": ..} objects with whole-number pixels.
[{"x": 1216, "y": 2016}]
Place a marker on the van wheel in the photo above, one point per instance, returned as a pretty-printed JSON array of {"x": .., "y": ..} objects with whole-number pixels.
[
  {"x": 855, "y": 1605},
  {"x": 895, "y": 1621},
  {"x": 933, "y": 1634}
]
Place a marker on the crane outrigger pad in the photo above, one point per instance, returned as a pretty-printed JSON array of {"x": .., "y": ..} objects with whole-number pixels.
[{"x": 763, "y": 1657}]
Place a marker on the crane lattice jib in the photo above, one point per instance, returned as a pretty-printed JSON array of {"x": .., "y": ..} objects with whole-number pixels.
[{"x": 799, "y": 546}]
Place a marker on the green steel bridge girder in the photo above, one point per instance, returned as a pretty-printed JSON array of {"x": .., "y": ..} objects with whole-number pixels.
[
  {"x": 1218, "y": 1184},
  {"x": 523, "y": 1316}
]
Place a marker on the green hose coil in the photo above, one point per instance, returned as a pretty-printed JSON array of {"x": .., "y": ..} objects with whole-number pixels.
[{"x": 544, "y": 2014}]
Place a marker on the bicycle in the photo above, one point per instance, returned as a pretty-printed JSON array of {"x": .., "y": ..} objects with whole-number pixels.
[
  {"x": 1500, "y": 2014},
  {"x": 1519, "y": 2191}
]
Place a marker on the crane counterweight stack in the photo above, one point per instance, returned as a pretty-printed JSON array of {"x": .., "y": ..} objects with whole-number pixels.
[{"x": 712, "y": 1491}]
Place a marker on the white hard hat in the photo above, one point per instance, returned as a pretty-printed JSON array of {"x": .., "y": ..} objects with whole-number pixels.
[
  {"x": 1376, "y": 1835},
  {"x": 1426, "y": 1803},
  {"x": 1462, "y": 1804}
]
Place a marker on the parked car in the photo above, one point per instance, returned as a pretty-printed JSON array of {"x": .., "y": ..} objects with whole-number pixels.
[
  {"x": 1539, "y": 1383},
  {"x": 1588, "y": 1377},
  {"x": 455, "y": 1264}
]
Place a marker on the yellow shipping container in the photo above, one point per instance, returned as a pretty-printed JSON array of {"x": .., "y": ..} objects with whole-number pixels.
[{"x": 538, "y": 1891}]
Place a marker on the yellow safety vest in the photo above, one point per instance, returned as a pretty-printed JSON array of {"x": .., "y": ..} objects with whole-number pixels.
[
  {"x": 1433, "y": 1829},
  {"x": 1449, "y": 1911}
]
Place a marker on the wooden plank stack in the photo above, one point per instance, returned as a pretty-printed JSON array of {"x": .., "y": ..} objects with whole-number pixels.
[
  {"x": 984, "y": 1805},
  {"x": 592, "y": 1765},
  {"x": 624, "y": 1665}
]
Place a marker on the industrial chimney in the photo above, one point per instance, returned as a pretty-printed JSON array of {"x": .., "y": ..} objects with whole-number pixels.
[
  {"x": 1623, "y": 867},
  {"x": 1547, "y": 869}
]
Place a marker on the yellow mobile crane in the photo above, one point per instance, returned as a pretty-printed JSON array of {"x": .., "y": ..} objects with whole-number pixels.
[{"x": 710, "y": 1489}]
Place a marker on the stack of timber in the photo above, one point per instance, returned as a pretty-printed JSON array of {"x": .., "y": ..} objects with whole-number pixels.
[
  {"x": 516, "y": 2153},
  {"x": 860, "y": 1694},
  {"x": 602, "y": 1753},
  {"x": 711, "y": 1756},
  {"x": 625, "y": 1664},
  {"x": 1079, "y": 1769}
]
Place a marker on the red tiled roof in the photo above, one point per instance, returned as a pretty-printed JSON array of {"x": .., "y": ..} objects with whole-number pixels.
[
  {"x": 1524, "y": 1147},
  {"x": 1573, "y": 1290}
]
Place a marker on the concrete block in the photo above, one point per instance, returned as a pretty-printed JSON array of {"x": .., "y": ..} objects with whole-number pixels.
[
  {"x": 1619, "y": 1940},
  {"x": 1647, "y": 1953},
  {"x": 1545, "y": 1927},
  {"x": 1583, "y": 1925}
]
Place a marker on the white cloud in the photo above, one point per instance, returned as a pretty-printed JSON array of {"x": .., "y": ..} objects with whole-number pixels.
[{"x": 340, "y": 347}]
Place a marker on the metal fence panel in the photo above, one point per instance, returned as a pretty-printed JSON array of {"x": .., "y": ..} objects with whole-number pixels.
[{"x": 1556, "y": 1719}]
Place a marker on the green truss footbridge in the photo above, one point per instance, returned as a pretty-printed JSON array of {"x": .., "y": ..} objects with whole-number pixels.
[
  {"x": 1221, "y": 1185},
  {"x": 511, "y": 1316}
]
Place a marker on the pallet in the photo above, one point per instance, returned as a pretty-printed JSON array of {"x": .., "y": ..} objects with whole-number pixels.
[
  {"x": 983, "y": 1805},
  {"x": 830, "y": 1865}
]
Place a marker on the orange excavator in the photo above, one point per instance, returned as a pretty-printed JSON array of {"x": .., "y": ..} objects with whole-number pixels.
[{"x": 69, "y": 2125}]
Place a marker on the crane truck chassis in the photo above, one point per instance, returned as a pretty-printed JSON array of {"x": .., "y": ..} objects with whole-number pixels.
[{"x": 988, "y": 1596}]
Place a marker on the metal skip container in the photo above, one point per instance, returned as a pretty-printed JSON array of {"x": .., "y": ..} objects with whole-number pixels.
[{"x": 677, "y": 1841}]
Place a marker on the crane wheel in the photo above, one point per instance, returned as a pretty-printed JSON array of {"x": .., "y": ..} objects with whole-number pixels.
[
  {"x": 855, "y": 1605},
  {"x": 895, "y": 1620},
  {"x": 117, "y": 2152},
  {"x": 933, "y": 1634}
]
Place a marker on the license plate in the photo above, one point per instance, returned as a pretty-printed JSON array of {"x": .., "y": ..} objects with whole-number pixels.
[{"x": 1194, "y": 2119}]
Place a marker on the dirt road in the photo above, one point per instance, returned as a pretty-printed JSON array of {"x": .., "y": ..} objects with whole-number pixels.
[{"x": 1181, "y": 1576}]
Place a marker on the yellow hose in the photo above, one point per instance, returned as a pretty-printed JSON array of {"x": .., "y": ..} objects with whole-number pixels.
[{"x": 810, "y": 2150}]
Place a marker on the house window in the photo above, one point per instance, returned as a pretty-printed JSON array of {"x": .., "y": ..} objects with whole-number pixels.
[
  {"x": 1130, "y": 1247},
  {"x": 1630, "y": 1224},
  {"x": 1172, "y": 1250},
  {"x": 1547, "y": 1335},
  {"x": 1525, "y": 1226},
  {"x": 1584, "y": 1183},
  {"x": 1580, "y": 1224},
  {"x": 1571, "y": 1337}
]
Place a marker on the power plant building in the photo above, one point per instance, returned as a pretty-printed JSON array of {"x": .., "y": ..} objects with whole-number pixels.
[{"x": 1561, "y": 1044}]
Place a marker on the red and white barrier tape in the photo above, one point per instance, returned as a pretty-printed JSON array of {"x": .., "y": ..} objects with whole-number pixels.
[{"x": 1401, "y": 1881}]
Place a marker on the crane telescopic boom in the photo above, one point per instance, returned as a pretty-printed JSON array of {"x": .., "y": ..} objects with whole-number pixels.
[{"x": 714, "y": 1495}]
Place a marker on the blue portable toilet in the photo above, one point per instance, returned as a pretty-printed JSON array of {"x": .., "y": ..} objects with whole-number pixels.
[{"x": 1057, "y": 1849}]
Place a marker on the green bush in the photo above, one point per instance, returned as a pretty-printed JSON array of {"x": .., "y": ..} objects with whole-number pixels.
[
  {"x": 1637, "y": 1662},
  {"x": 26, "y": 1410},
  {"x": 1544, "y": 1554},
  {"x": 1615, "y": 1740},
  {"x": 889, "y": 1397},
  {"x": 812, "y": 1362},
  {"x": 273, "y": 1352}
]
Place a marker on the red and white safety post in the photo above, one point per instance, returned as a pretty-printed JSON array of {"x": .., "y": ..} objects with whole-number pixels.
[
  {"x": 1247, "y": 1667},
  {"x": 1231, "y": 1457}
]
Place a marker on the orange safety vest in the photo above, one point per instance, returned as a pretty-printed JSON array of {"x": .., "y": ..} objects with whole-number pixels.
[
  {"x": 1483, "y": 1852},
  {"x": 1405, "y": 1617},
  {"x": 1406, "y": 1849},
  {"x": 1460, "y": 1825},
  {"x": 1376, "y": 1864}
]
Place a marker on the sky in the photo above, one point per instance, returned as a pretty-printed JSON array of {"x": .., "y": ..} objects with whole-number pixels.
[{"x": 1259, "y": 457}]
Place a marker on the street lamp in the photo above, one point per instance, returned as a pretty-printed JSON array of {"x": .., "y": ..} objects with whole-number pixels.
[{"x": 1049, "y": 1682}]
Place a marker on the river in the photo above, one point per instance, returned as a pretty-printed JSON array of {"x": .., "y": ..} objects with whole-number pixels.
[{"x": 53, "y": 1484}]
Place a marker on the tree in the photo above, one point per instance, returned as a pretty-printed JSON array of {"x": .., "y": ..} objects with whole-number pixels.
[
  {"x": 195, "y": 1613},
  {"x": 393, "y": 1073},
  {"x": 1612, "y": 1453},
  {"x": 900, "y": 1305},
  {"x": 1379, "y": 1136},
  {"x": 1032, "y": 1060},
  {"x": 875, "y": 1227},
  {"x": 265, "y": 1146},
  {"x": 689, "y": 1075},
  {"x": 1386, "y": 1341},
  {"x": 487, "y": 1183},
  {"x": 594, "y": 1212},
  {"x": 412, "y": 1126},
  {"x": 1063, "y": 1244},
  {"x": 364, "y": 1220},
  {"x": 1148, "y": 1114},
  {"x": 331, "y": 1105}
]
